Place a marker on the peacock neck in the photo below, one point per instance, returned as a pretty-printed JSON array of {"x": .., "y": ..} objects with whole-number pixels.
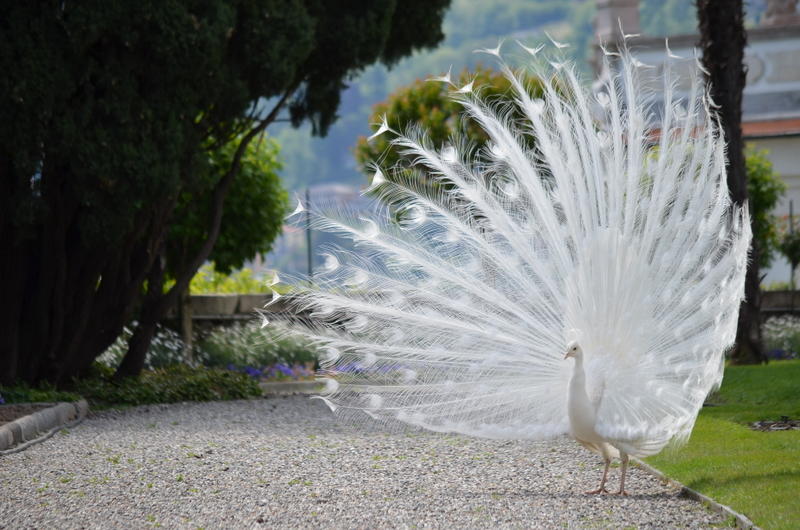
[
  {"x": 577, "y": 370},
  {"x": 582, "y": 415},
  {"x": 577, "y": 384}
]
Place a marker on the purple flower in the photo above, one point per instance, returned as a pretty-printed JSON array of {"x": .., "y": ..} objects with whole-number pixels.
[
  {"x": 301, "y": 370},
  {"x": 285, "y": 370},
  {"x": 252, "y": 372},
  {"x": 2, "y": 401}
]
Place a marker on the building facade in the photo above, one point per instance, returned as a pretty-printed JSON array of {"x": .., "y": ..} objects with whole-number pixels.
[{"x": 771, "y": 103}]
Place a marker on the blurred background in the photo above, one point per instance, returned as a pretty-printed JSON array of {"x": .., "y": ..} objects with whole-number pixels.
[
  {"x": 328, "y": 167},
  {"x": 152, "y": 151}
]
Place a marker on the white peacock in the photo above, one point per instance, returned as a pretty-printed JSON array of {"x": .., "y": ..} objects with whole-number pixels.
[{"x": 618, "y": 248}]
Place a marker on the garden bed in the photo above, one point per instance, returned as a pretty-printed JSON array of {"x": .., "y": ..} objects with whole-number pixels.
[
  {"x": 9, "y": 413},
  {"x": 784, "y": 424}
]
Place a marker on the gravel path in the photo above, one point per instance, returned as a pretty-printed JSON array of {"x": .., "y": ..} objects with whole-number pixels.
[{"x": 286, "y": 463}]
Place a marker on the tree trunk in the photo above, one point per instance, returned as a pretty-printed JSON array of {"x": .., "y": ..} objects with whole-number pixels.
[
  {"x": 723, "y": 40},
  {"x": 139, "y": 343},
  {"x": 185, "y": 315},
  {"x": 64, "y": 299}
]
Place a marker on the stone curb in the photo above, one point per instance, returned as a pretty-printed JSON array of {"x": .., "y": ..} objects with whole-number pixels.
[
  {"x": 741, "y": 520},
  {"x": 27, "y": 430},
  {"x": 293, "y": 387}
]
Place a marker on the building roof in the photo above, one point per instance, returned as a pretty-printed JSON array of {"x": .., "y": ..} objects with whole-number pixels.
[{"x": 771, "y": 128}]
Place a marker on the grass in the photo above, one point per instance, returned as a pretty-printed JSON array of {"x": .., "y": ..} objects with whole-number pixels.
[{"x": 756, "y": 473}]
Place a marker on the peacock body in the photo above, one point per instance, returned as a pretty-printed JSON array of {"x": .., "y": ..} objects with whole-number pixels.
[{"x": 593, "y": 223}]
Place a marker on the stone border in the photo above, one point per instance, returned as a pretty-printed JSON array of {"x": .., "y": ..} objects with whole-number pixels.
[
  {"x": 741, "y": 520},
  {"x": 290, "y": 387},
  {"x": 23, "y": 432}
]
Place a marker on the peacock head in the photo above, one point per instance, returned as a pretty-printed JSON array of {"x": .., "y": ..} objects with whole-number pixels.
[{"x": 573, "y": 351}]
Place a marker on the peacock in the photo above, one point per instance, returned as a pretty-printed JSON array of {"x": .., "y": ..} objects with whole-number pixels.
[{"x": 580, "y": 274}]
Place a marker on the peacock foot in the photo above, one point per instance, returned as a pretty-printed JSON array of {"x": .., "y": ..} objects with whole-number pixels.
[
  {"x": 597, "y": 491},
  {"x": 622, "y": 492}
]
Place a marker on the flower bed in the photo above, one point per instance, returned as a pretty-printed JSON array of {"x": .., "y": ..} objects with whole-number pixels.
[{"x": 781, "y": 336}]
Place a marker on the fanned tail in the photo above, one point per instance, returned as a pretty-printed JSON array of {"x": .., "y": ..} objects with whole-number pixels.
[{"x": 453, "y": 310}]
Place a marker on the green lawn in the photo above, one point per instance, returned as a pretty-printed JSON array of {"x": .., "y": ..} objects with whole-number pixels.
[{"x": 755, "y": 473}]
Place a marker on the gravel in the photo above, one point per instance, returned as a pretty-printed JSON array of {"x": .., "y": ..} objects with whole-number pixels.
[{"x": 287, "y": 463}]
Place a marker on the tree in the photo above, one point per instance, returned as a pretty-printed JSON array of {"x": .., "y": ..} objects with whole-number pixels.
[
  {"x": 429, "y": 106},
  {"x": 251, "y": 220},
  {"x": 723, "y": 39},
  {"x": 109, "y": 112},
  {"x": 764, "y": 189},
  {"x": 257, "y": 205}
]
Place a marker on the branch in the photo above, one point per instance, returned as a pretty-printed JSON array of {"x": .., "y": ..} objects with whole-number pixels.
[{"x": 218, "y": 201}]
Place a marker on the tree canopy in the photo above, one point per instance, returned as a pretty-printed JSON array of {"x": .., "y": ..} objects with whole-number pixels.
[
  {"x": 109, "y": 113},
  {"x": 254, "y": 210},
  {"x": 429, "y": 106}
]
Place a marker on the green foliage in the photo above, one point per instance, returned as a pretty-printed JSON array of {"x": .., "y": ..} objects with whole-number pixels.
[
  {"x": 764, "y": 188},
  {"x": 209, "y": 280},
  {"x": 789, "y": 245},
  {"x": 755, "y": 473},
  {"x": 243, "y": 345},
  {"x": 428, "y": 105},
  {"x": 789, "y": 242},
  {"x": 113, "y": 111},
  {"x": 254, "y": 209},
  {"x": 350, "y": 36},
  {"x": 170, "y": 384},
  {"x": 42, "y": 393},
  {"x": 238, "y": 344},
  {"x": 776, "y": 286},
  {"x": 119, "y": 94}
]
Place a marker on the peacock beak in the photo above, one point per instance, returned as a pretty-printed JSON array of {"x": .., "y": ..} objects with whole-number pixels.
[{"x": 568, "y": 355}]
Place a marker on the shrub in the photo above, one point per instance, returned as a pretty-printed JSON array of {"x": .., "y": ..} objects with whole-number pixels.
[
  {"x": 210, "y": 281},
  {"x": 241, "y": 347},
  {"x": 776, "y": 286},
  {"x": 781, "y": 336},
  {"x": 166, "y": 349},
  {"x": 44, "y": 393},
  {"x": 247, "y": 345},
  {"x": 764, "y": 188},
  {"x": 166, "y": 385}
]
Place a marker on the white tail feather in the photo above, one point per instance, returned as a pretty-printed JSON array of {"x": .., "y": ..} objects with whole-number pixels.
[{"x": 583, "y": 222}]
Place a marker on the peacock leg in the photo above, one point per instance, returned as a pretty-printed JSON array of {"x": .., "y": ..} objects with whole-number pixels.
[
  {"x": 624, "y": 458},
  {"x": 602, "y": 488}
]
